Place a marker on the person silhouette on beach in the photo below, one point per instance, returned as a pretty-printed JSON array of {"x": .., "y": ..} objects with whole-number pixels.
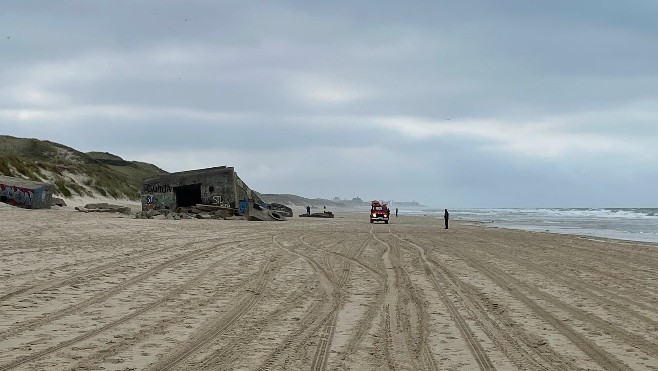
[
  {"x": 308, "y": 210},
  {"x": 396, "y": 212},
  {"x": 446, "y": 216}
]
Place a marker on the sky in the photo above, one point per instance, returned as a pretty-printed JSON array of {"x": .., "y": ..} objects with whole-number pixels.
[{"x": 453, "y": 104}]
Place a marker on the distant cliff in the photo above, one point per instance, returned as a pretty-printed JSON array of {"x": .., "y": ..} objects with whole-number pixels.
[{"x": 294, "y": 200}]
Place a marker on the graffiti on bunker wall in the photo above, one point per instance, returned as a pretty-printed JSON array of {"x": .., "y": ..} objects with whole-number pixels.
[
  {"x": 219, "y": 201},
  {"x": 157, "y": 201},
  {"x": 150, "y": 201},
  {"x": 157, "y": 188},
  {"x": 16, "y": 195}
]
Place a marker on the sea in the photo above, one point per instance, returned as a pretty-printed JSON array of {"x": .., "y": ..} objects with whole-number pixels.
[{"x": 631, "y": 224}]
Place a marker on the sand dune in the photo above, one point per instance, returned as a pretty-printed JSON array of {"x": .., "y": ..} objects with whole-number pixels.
[{"x": 100, "y": 291}]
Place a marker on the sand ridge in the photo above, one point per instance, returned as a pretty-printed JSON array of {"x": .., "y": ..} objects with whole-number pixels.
[{"x": 103, "y": 291}]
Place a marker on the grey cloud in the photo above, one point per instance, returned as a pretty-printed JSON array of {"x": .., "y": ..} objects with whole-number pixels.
[{"x": 273, "y": 87}]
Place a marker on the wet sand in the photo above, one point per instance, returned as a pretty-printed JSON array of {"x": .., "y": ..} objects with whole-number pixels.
[{"x": 101, "y": 292}]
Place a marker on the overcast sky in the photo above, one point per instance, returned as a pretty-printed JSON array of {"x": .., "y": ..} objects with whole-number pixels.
[{"x": 450, "y": 103}]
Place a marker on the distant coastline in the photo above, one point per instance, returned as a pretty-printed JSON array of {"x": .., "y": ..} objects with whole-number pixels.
[{"x": 408, "y": 204}]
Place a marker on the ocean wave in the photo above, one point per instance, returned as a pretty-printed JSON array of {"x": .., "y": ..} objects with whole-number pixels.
[
  {"x": 637, "y": 224},
  {"x": 566, "y": 212}
]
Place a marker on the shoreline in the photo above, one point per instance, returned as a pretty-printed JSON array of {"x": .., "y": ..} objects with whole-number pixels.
[
  {"x": 297, "y": 210},
  {"x": 599, "y": 223}
]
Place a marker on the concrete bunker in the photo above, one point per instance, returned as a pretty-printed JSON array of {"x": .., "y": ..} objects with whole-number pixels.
[
  {"x": 219, "y": 186},
  {"x": 25, "y": 193}
]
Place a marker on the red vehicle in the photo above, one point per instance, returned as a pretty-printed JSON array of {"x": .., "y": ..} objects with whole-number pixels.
[{"x": 379, "y": 212}]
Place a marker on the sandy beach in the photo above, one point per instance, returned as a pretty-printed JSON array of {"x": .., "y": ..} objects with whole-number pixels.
[{"x": 108, "y": 292}]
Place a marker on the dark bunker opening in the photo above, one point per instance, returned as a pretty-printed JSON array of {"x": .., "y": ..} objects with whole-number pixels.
[{"x": 188, "y": 195}]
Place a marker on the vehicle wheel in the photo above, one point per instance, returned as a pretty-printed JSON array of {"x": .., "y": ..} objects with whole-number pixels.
[
  {"x": 370, "y": 221},
  {"x": 385, "y": 221}
]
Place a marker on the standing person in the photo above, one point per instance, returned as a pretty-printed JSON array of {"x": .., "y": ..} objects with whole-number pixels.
[
  {"x": 446, "y": 216},
  {"x": 325, "y": 209},
  {"x": 396, "y": 212},
  {"x": 308, "y": 210}
]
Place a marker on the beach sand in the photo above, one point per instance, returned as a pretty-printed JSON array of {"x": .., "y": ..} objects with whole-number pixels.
[{"x": 107, "y": 292}]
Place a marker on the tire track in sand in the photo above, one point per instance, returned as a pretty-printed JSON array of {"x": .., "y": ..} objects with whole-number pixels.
[
  {"x": 621, "y": 303},
  {"x": 514, "y": 287},
  {"x": 42, "y": 320},
  {"x": 247, "y": 334},
  {"x": 473, "y": 344},
  {"x": 217, "y": 357},
  {"x": 522, "y": 349},
  {"x": 178, "y": 290},
  {"x": 415, "y": 319},
  {"x": 598, "y": 354},
  {"x": 365, "y": 322},
  {"x": 135, "y": 254},
  {"x": 78, "y": 276},
  {"x": 223, "y": 322},
  {"x": 397, "y": 351},
  {"x": 316, "y": 318},
  {"x": 348, "y": 256},
  {"x": 326, "y": 331},
  {"x": 635, "y": 281}
]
